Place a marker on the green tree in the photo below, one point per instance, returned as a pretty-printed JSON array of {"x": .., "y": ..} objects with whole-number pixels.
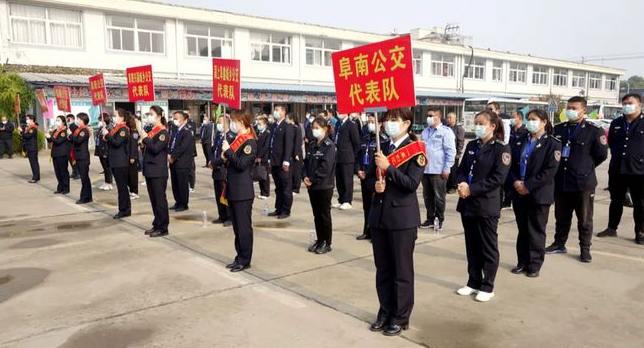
[
  {"x": 10, "y": 84},
  {"x": 634, "y": 81}
]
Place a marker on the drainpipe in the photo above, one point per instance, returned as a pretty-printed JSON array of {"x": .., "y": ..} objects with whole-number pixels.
[{"x": 465, "y": 70}]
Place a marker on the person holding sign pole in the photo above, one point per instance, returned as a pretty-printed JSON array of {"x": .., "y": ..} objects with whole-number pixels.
[
  {"x": 80, "y": 140},
  {"x": 60, "y": 149},
  {"x": 394, "y": 219},
  {"x": 181, "y": 160},
  {"x": 281, "y": 156},
  {"x": 118, "y": 153}
]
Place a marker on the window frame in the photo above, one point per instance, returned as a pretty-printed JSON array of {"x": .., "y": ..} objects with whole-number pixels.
[
  {"x": 597, "y": 78},
  {"x": 323, "y": 51},
  {"x": 417, "y": 59},
  {"x": 613, "y": 81},
  {"x": 209, "y": 38},
  {"x": 540, "y": 75},
  {"x": 48, "y": 23},
  {"x": 518, "y": 72},
  {"x": 442, "y": 64},
  {"x": 556, "y": 74},
  {"x": 474, "y": 68},
  {"x": 497, "y": 69},
  {"x": 135, "y": 30},
  {"x": 271, "y": 46},
  {"x": 576, "y": 77}
]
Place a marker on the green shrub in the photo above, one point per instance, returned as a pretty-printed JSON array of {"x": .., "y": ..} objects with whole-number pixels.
[{"x": 16, "y": 141}]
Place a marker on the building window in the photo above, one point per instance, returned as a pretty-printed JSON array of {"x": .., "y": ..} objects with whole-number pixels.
[
  {"x": 442, "y": 65},
  {"x": 476, "y": 70},
  {"x": 594, "y": 81},
  {"x": 318, "y": 51},
  {"x": 46, "y": 26},
  {"x": 539, "y": 75},
  {"x": 417, "y": 61},
  {"x": 135, "y": 34},
  {"x": 560, "y": 77},
  {"x": 270, "y": 47},
  {"x": 206, "y": 41},
  {"x": 497, "y": 71},
  {"x": 579, "y": 79},
  {"x": 517, "y": 72},
  {"x": 611, "y": 83}
]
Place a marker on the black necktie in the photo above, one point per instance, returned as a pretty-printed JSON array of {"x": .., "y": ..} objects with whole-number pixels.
[{"x": 392, "y": 148}]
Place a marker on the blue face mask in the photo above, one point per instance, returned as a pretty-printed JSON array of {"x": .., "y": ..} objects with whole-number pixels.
[
  {"x": 533, "y": 126},
  {"x": 513, "y": 122},
  {"x": 480, "y": 131},
  {"x": 572, "y": 115},
  {"x": 628, "y": 109},
  {"x": 276, "y": 115}
]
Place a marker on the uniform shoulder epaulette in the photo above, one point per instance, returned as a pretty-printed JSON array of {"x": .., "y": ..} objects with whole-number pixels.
[
  {"x": 593, "y": 124},
  {"x": 554, "y": 138},
  {"x": 327, "y": 142}
]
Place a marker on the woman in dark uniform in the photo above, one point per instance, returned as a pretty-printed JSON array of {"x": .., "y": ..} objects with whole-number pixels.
[
  {"x": 133, "y": 170},
  {"x": 30, "y": 146},
  {"x": 394, "y": 219},
  {"x": 535, "y": 160},
  {"x": 60, "y": 149},
  {"x": 155, "y": 170},
  {"x": 319, "y": 172},
  {"x": 118, "y": 153},
  {"x": 80, "y": 140},
  {"x": 219, "y": 171},
  {"x": 481, "y": 175},
  {"x": 240, "y": 156},
  {"x": 263, "y": 151},
  {"x": 100, "y": 151}
]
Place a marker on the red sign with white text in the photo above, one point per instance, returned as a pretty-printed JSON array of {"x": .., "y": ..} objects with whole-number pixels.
[
  {"x": 140, "y": 85},
  {"x": 97, "y": 89},
  {"x": 375, "y": 75},
  {"x": 226, "y": 82},
  {"x": 62, "y": 98}
]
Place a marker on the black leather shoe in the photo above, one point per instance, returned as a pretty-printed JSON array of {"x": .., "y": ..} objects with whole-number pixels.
[
  {"x": 323, "y": 248},
  {"x": 148, "y": 232},
  {"x": 275, "y": 213},
  {"x": 585, "y": 256},
  {"x": 284, "y": 216},
  {"x": 58, "y": 192},
  {"x": 231, "y": 265},
  {"x": 639, "y": 238},
  {"x": 83, "y": 201},
  {"x": 378, "y": 325},
  {"x": 228, "y": 223},
  {"x": 238, "y": 268},
  {"x": 394, "y": 330},
  {"x": 313, "y": 247},
  {"x": 64, "y": 193},
  {"x": 180, "y": 209},
  {"x": 608, "y": 232},
  {"x": 121, "y": 215},
  {"x": 363, "y": 237},
  {"x": 173, "y": 207},
  {"x": 533, "y": 274},
  {"x": 218, "y": 221},
  {"x": 518, "y": 269},
  {"x": 158, "y": 233}
]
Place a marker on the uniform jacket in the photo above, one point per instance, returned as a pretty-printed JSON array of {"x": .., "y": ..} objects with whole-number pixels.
[
  {"x": 347, "y": 140},
  {"x": 81, "y": 144},
  {"x": 118, "y": 148},
  {"x": 155, "y": 155},
  {"x": 239, "y": 184},
  {"x": 543, "y": 162},
  {"x": 60, "y": 146},
  {"x": 281, "y": 144},
  {"x": 181, "y": 148},
  {"x": 319, "y": 165},
  {"x": 6, "y": 130},
  {"x": 627, "y": 151},
  {"x": 218, "y": 165},
  {"x": 263, "y": 145},
  {"x": 30, "y": 137}
]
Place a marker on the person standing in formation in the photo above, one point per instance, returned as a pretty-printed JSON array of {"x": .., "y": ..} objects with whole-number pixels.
[
  {"x": 30, "y": 146},
  {"x": 181, "y": 161},
  {"x": 298, "y": 157},
  {"x": 80, "y": 140},
  {"x": 133, "y": 169},
  {"x": 518, "y": 133},
  {"x": 366, "y": 156},
  {"x": 60, "y": 150},
  {"x": 219, "y": 170},
  {"x": 100, "y": 151},
  {"x": 459, "y": 134},
  {"x": 118, "y": 152},
  {"x": 281, "y": 157},
  {"x": 71, "y": 124},
  {"x": 263, "y": 149},
  {"x": 206, "y": 134},
  {"x": 347, "y": 142}
]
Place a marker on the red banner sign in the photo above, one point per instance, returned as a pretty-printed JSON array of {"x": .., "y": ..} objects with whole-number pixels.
[
  {"x": 226, "y": 82},
  {"x": 42, "y": 100},
  {"x": 140, "y": 84},
  {"x": 62, "y": 98},
  {"x": 375, "y": 75},
  {"x": 16, "y": 104},
  {"x": 97, "y": 89}
]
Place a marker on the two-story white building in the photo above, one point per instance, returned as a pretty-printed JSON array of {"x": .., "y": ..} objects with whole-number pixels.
[{"x": 63, "y": 42}]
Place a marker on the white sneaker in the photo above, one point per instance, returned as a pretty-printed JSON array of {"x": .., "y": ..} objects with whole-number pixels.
[
  {"x": 295, "y": 193},
  {"x": 336, "y": 205},
  {"x": 109, "y": 187},
  {"x": 345, "y": 206},
  {"x": 483, "y": 296},
  {"x": 262, "y": 197},
  {"x": 134, "y": 196},
  {"x": 466, "y": 291},
  {"x": 192, "y": 190},
  {"x": 143, "y": 183}
]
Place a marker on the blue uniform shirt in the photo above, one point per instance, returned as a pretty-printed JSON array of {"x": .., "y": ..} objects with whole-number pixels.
[{"x": 440, "y": 145}]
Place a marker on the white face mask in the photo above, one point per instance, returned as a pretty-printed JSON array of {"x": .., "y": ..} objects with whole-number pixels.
[
  {"x": 342, "y": 117},
  {"x": 101, "y": 124},
  {"x": 533, "y": 126},
  {"x": 317, "y": 133},
  {"x": 371, "y": 127},
  {"x": 629, "y": 109},
  {"x": 233, "y": 127},
  {"x": 430, "y": 120},
  {"x": 220, "y": 127},
  {"x": 152, "y": 119},
  {"x": 29, "y": 122},
  {"x": 363, "y": 118},
  {"x": 58, "y": 123},
  {"x": 261, "y": 128},
  {"x": 276, "y": 115},
  {"x": 572, "y": 115},
  {"x": 175, "y": 122},
  {"x": 393, "y": 128},
  {"x": 480, "y": 131}
]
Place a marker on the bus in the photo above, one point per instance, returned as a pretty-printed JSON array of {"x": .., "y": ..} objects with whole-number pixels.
[{"x": 475, "y": 105}]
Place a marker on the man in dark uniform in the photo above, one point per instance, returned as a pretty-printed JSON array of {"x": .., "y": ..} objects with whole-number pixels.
[
  {"x": 206, "y": 135},
  {"x": 298, "y": 156},
  {"x": 459, "y": 134},
  {"x": 71, "y": 124},
  {"x": 626, "y": 170},
  {"x": 584, "y": 147},
  {"x": 263, "y": 148},
  {"x": 219, "y": 172},
  {"x": 181, "y": 160},
  {"x": 280, "y": 158},
  {"x": 517, "y": 132},
  {"x": 6, "y": 131},
  {"x": 347, "y": 142},
  {"x": 192, "y": 127}
]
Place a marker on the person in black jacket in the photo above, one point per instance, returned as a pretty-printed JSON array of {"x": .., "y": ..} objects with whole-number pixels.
[
  {"x": 60, "y": 149},
  {"x": 80, "y": 140},
  {"x": 240, "y": 157},
  {"x": 207, "y": 135},
  {"x": 6, "y": 131},
  {"x": 394, "y": 219},
  {"x": 518, "y": 132},
  {"x": 481, "y": 177},
  {"x": 219, "y": 170},
  {"x": 181, "y": 159},
  {"x": 535, "y": 159},
  {"x": 71, "y": 124},
  {"x": 583, "y": 147},
  {"x": 118, "y": 153},
  {"x": 281, "y": 157},
  {"x": 347, "y": 141},
  {"x": 626, "y": 168},
  {"x": 133, "y": 169},
  {"x": 30, "y": 146},
  {"x": 298, "y": 157},
  {"x": 155, "y": 170},
  {"x": 318, "y": 178},
  {"x": 192, "y": 127},
  {"x": 100, "y": 150},
  {"x": 263, "y": 149}
]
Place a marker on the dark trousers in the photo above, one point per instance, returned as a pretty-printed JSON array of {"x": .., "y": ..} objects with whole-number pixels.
[
  {"x": 191, "y": 175},
  {"x": 296, "y": 168},
  {"x": 451, "y": 180},
  {"x": 74, "y": 167},
  {"x": 321, "y": 206},
  {"x": 35, "y": 167},
  {"x": 5, "y": 147},
  {"x": 393, "y": 253},
  {"x": 482, "y": 248},
  {"x": 105, "y": 164},
  {"x": 222, "y": 210},
  {"x": 179, "y": 178},
  {"x": 367, "y": 196},
  {"x": 582, "y": 204},
  {"x": 434, "y": 190},
  {"x": 344, "y": 181},
  {"x": 62, "y": 174},
  {"x": 156, "y": 190},
  {"x": 265, "y": 185},
  {"x": 86, "y": 183},
  {"x": 133, "y": 178},
  {"x": 206, "y": 151},
  {"x": 283, "y": 189},
  {"x": 618, "y": 185},
  {"x": 121, "y": 175},
  {"x": 241, "y": 216},
  {"x": 531, "y": 222}
]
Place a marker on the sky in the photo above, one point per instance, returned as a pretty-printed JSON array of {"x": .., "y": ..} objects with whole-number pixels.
[{"x": 562, "y": 29}]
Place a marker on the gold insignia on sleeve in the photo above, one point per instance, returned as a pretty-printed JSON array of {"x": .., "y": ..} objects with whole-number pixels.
[
  {"x": 122, "y": 134},
  {"x": 421, "y": 160},
  {"x": 603, "y": 140},
  {"x": 63, "y": 134},
  {"x": 557, "y": 155},
  {"x": 162, "y": 137},
  {"x": 82, "y": 134},
  {"x": 506, "y": 158},
  {"x": 247, "y": 149}
]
